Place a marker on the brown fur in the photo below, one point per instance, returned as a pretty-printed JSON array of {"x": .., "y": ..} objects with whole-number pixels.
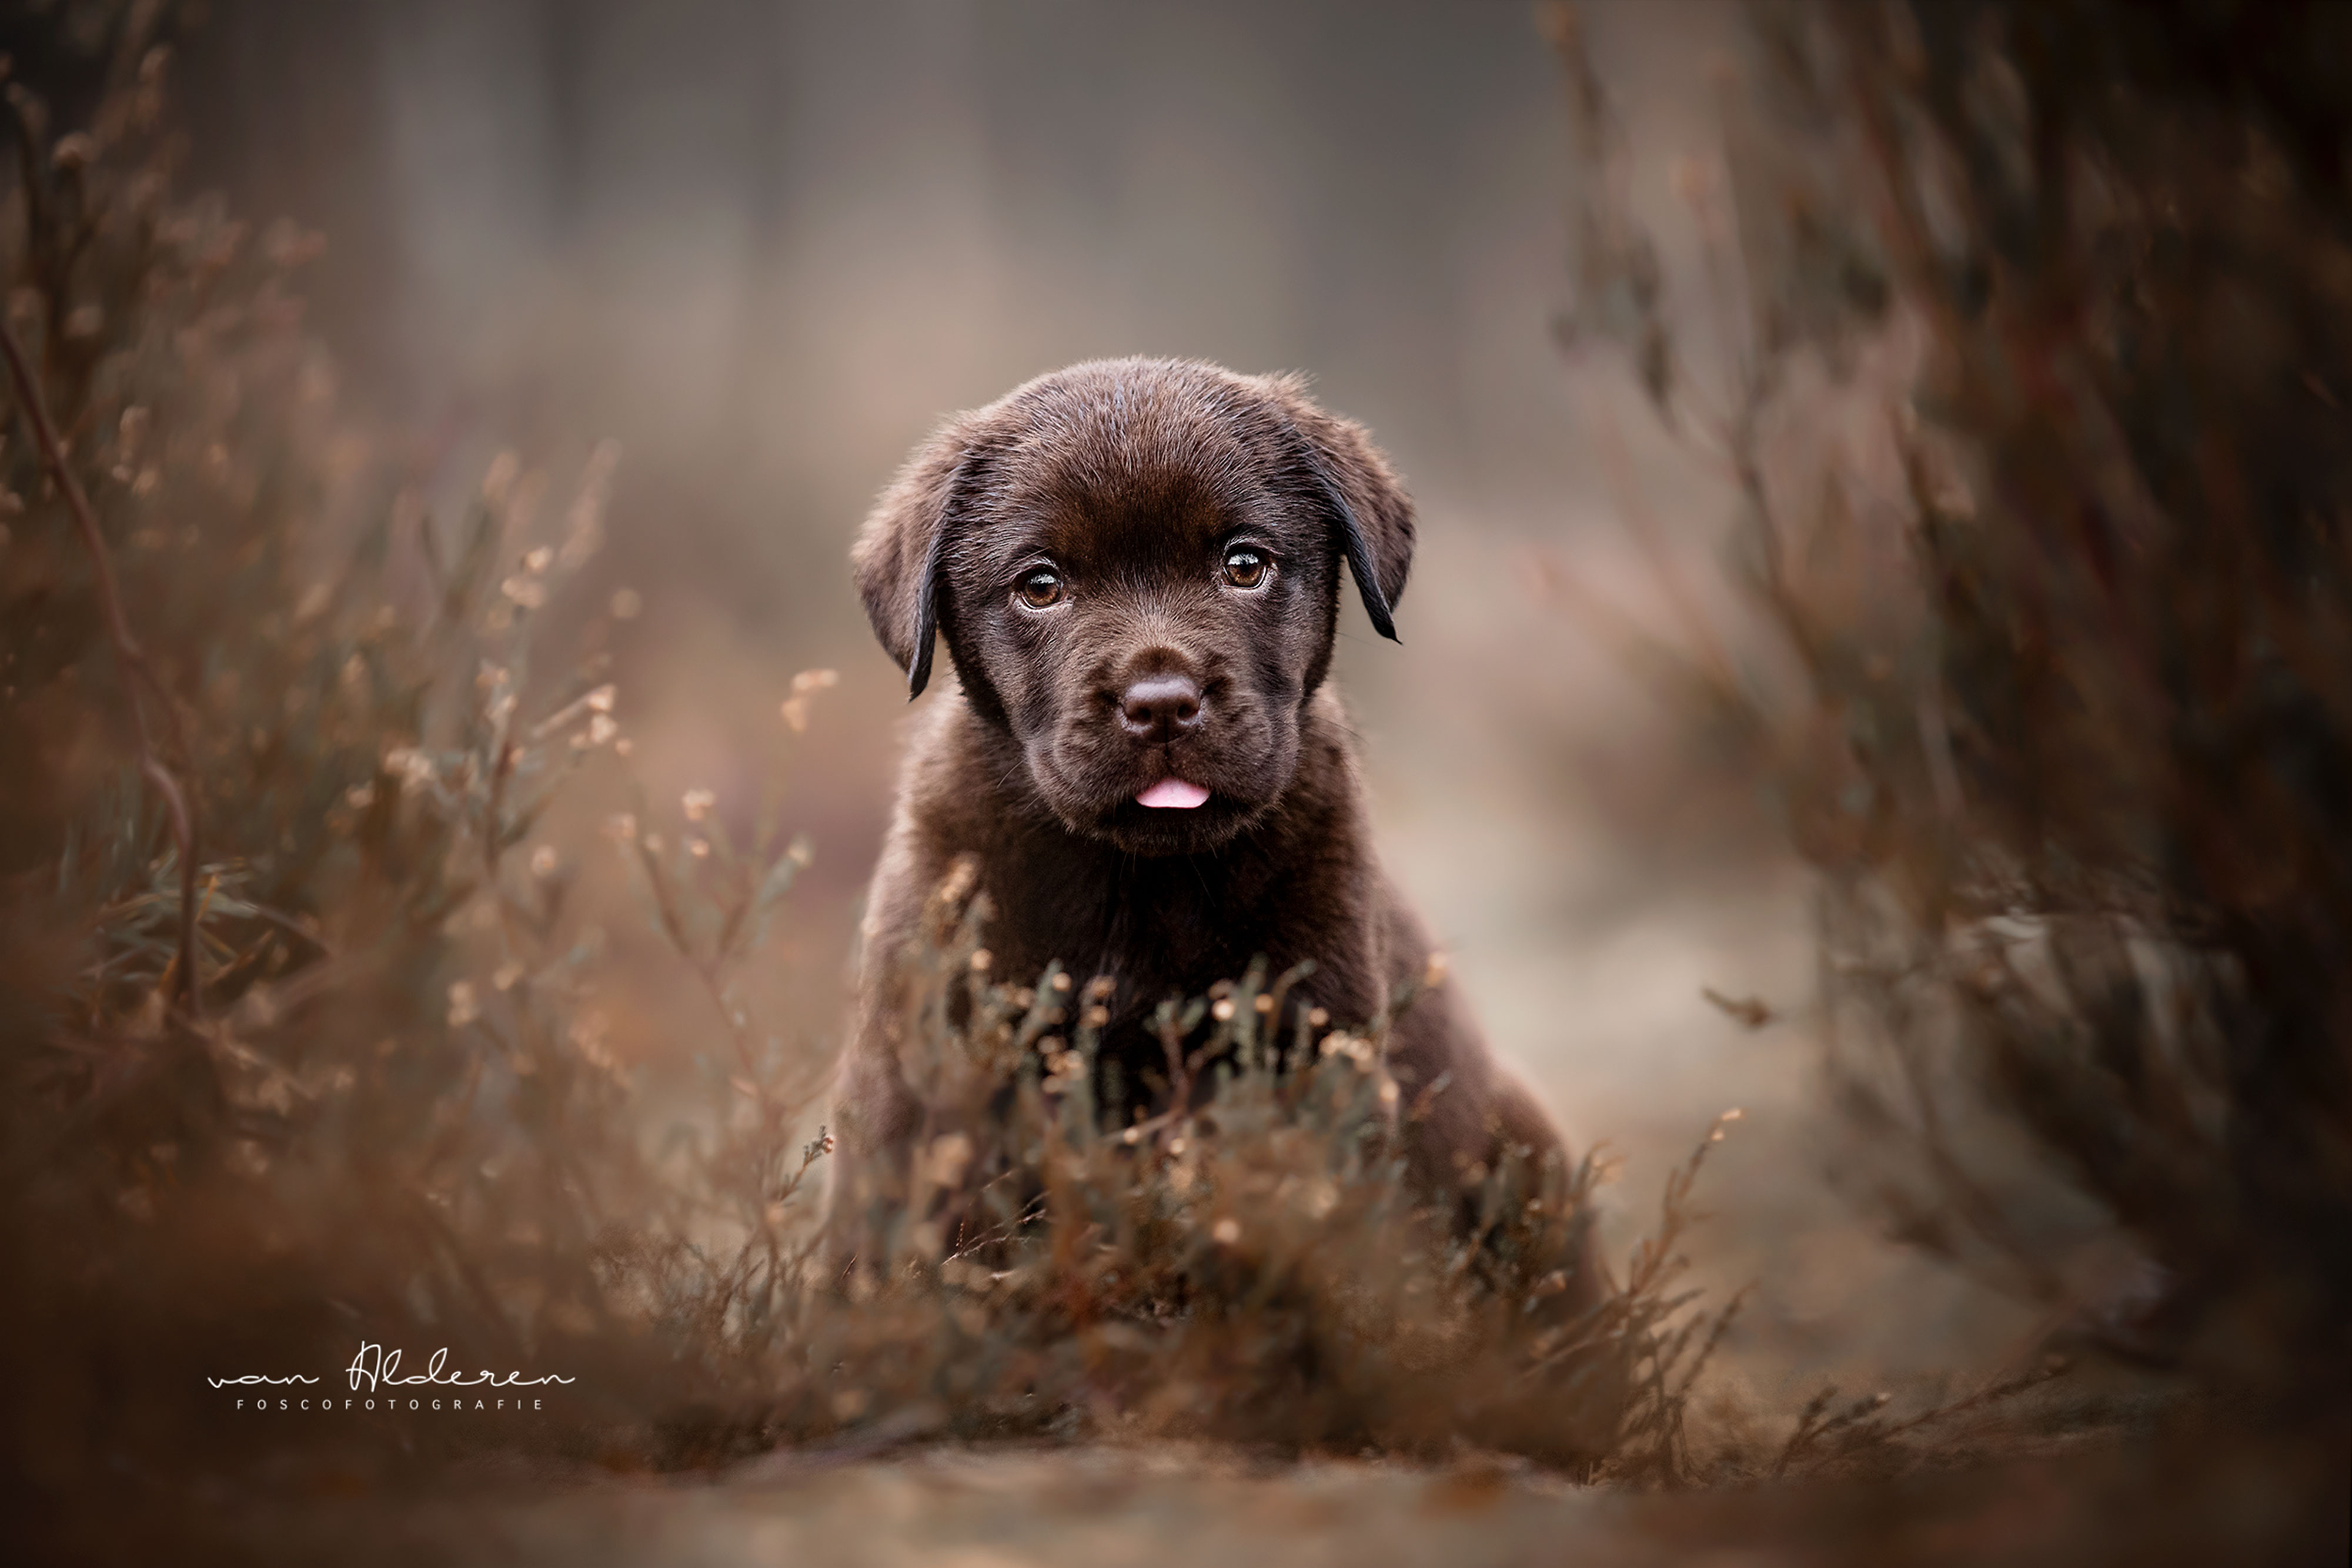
[{"x": 1132, "y": 478}]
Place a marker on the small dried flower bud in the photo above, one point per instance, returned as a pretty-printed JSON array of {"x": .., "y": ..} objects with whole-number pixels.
[
  {"x": 464, "y": 1005},
  {"x": 946, "y": 1160},
  {"x": 699, "y": 847},
  {"x": 1226, "y": 1231},
  {"x": 1061, "y": 981},
  {"x": 414, "y": 767},
  {"x": 1317, "y": 1017},
  {"x": 959, "y": 880},
  {"x": 507, "y": 974},
  {"x": 1432, "y": 974},
  {"x": 697, "y": 804},
  {"x": 601, "y": 699},
  {"x": 537, "y": 559},
  {"x": 1096, "y": 1017},
  {"x": 980, "y": 959},
  {"x": 499, "y": 477},
  {"x": 1264, "y": 1004},
  {"x": 587, "y": 1032},
  {"x": 815, "y": 680},
  {"x": 1223, "y": 1010}
]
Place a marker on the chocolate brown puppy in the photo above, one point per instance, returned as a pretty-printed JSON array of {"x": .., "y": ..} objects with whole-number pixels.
[{"x": 1136, "y": 567}]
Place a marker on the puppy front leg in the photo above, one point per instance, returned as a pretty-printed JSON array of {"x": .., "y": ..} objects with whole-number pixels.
[
  {"x": 877, "y": 1119},
  {"x": 1483, "y": 1122}
]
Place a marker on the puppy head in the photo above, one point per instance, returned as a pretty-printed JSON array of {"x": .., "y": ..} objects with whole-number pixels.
[{"x": 1135, "y": 564}]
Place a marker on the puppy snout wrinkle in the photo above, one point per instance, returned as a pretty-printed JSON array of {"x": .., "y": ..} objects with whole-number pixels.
[{"x": 1158, "y": 708}]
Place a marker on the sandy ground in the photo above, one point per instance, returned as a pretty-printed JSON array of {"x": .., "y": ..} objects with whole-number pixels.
[
  {"x": 1000, "y": 1507},
  {"x": 2092, "y": 1499},
  {"x": 966, "y": 1508}
]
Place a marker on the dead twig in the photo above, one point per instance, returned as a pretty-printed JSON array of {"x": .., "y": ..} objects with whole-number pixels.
[{"x": 138, "y": 672}]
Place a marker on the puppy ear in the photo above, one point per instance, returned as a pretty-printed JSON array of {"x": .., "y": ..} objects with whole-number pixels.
[
  {"x": 1373, "y": 515},
  {"x": 898, "y": 555}
]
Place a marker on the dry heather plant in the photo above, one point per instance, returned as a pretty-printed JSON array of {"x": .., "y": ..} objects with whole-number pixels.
[
  {"x": 2048, "y": 649},
  {"x": 301, "y": 1034},
  {"x": 293, "y": 1041},
  {"x": 1257, "y": 1267}
]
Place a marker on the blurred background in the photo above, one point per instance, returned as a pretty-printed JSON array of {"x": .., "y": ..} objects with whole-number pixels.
[{"x": 763, "y": 245}]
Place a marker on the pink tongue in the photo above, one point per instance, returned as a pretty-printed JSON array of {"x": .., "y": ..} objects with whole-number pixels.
[{"x": 1173, "y": 793}]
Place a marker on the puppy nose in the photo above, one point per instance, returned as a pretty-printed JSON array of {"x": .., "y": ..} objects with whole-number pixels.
[{"x": 1160, "y": 707}]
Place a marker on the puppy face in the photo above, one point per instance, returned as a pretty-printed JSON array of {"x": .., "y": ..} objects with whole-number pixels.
[{"x": 1135, "y": 564}]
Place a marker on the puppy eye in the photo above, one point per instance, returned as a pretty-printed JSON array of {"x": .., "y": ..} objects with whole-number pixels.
[
  {"x": 1246, "y": 568},
  {"x": 1040, "y": 589}
]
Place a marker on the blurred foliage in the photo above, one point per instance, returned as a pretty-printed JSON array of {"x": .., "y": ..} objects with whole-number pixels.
[
  {"x": 2046, "y": 652},
  {"x": 382, "y": 1102},
  {"x": 387, "y": 1103}
]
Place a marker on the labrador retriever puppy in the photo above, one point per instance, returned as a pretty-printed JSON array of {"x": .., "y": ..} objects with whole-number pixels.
[{"x": 1136, "y": 565}]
